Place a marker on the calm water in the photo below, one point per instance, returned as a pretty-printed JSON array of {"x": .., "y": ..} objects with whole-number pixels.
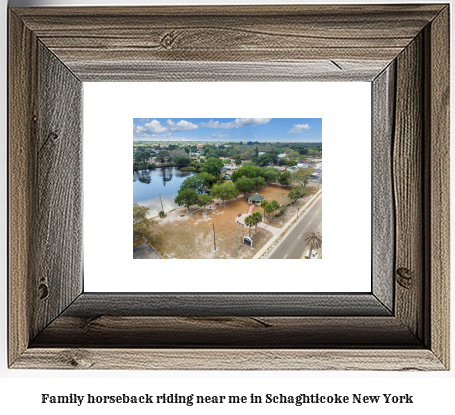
[{"x": 148, "y": 185}]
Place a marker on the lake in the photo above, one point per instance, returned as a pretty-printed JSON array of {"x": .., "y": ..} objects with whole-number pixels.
[{"x": 149, "y": 184}]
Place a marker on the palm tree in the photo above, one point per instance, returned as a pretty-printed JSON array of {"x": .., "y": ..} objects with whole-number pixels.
[
  {"x": 249, "y": 221},
  {"x": 269, "y": 209},
  {"x": 275, "y": 205},
  {"x": 314, "y": 239},
  {"x": 257, "y": 219},
  {"x": 264, "y": 204}
]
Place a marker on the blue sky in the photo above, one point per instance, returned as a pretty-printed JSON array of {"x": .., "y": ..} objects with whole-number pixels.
[{"x": 228, "y": 129}]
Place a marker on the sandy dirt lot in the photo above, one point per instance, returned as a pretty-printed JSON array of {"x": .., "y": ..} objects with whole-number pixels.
[{"x": 191, "y": 236}]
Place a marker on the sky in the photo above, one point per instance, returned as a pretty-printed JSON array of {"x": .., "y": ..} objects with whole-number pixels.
[{"x": 228, "y": 129}]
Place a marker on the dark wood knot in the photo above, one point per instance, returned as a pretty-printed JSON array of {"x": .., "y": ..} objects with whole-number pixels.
[
  {"x": 405, "y": 278},
  {"x": 43, "y": 291},
  {"x": 53, "y": 136},
  {"x": 76, "y": 359},
  {"x": 168, "y": 40}
]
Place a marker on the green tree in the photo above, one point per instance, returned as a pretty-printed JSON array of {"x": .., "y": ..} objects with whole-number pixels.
[
  {"x": 295, "y": 193},
  {"x": 293, "y": 154},
  {"x": 275, "y": 205},
  {"x": 213, "y": 166},
  {"x": 193, "y": 182},
  {"x": 207, "y": 179},
  {"x": 313, "y": 239},
  {"x": 186, "y": 197},
  {"x": 244, "y": 184},
  {"x": 247, "y": 171},
  {"x": 181, "y": 161},
  {"x": 314, "y": 153},
  {"x": 140, "y": 222},
  {"x": 302, "y": 177},
  {"x": 204, "y": 199},
  {"x": 284, "y": 178},
  {"x": 270, "y": 174},
  {"x": 265, "y": 160},
  {"x": 140, "y": 156},
  {"x": 224, "y": 191},
  {"x": 291, "y": 161},
  {"x": 258, "y": 182},
  {"x": 163, "y": 156}
]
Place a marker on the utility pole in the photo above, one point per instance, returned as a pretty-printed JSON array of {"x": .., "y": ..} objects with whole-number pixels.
[
  {"x": 161, "y": 203},
  {"x": 298, "y": 212},
  {"x": 285, "y": 203},
  {"x": 238, "y": 237},
  {"x": 214, "y": 242}
]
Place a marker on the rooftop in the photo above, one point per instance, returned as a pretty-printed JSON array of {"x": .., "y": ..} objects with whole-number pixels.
[{"x": 256, "y": 197}]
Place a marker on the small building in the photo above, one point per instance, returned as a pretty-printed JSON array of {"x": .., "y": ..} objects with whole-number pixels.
[
  {"x": 261, "y": 153},
  {"x": 256, "y": 199},
  {"x": 302, "y": 165}
]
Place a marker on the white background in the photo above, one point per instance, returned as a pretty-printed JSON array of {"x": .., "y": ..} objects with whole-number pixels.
[
  {"x": 20, "y": 390},
  {"x": 345, "y": 110}
]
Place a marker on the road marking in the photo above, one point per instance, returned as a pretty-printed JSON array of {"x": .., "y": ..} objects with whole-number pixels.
[
  {"x": 317, "y": 212},
  {"x": 285, "y": 256},
  {"x": 299, "y": 237}
]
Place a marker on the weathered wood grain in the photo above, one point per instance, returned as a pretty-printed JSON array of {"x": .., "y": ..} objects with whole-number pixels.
[
  {"x": 382, "y": 202},
  {"x": 437, "y": 155},
  {"x": 308, "y": 71},
  {"x": 57, "y": 237},
  {"x": 22, "y": 95},
  {"x": 408, "y": 191},
  {"x": 231, "y": 304},
  {"x": 228, "y": 359},
  {"x": 226, "y": 332},
  {"x": 228, "y": 34}
]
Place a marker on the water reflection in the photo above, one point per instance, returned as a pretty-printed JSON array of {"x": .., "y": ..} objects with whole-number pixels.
[
  {"x": 147, "y": 191},
  {"x": 146, "y": 179}
]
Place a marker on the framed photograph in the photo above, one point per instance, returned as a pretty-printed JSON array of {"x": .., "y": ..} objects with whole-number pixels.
[{"x": 58, "y": 230}]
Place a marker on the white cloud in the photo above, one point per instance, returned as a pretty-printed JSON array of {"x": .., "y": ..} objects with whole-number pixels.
[
  {"x": 237, "y": 123},
  {"x": 210, "y": 124},
  {"x": 180, "y": 126},
  {"x": 219, "y": 135},
  {"x": 299, "y": 128},
  {"x": 139, "y": 130},
  {"x": 153, "y": 126}
]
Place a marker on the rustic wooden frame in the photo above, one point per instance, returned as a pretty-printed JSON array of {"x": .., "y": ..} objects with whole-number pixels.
[{"x": 403, "y": 324}]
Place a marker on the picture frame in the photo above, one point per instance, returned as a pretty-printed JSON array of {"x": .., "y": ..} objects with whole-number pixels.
[{"x": 403, "y": 324}]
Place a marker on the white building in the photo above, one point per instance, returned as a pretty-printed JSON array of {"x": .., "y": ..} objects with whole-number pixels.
[{"x": 281, "y": 155}]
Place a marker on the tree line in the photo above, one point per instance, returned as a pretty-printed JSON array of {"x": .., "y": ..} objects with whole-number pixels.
[{"x": 202, "y": 188}]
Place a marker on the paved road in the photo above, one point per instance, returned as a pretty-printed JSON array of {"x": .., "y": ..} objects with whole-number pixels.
[
  {"x": 292, "y": 245},
  {"x": 145, "y": 251}
]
